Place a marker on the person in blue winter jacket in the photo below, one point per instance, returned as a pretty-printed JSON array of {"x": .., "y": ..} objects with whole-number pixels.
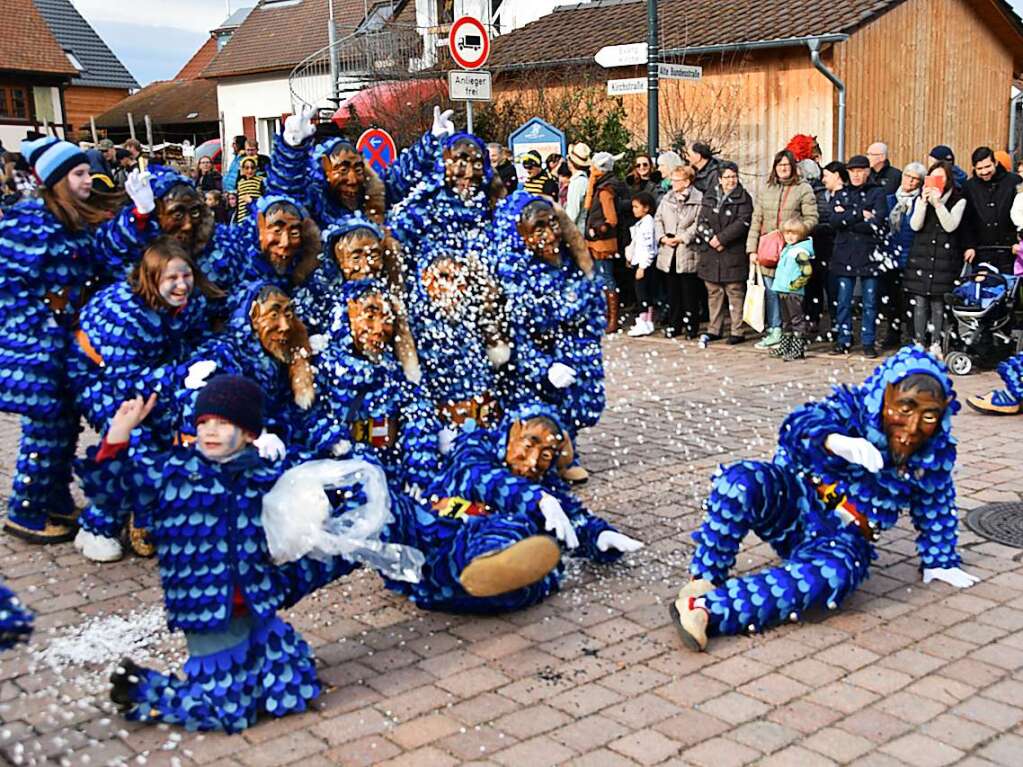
[
  {"x": 221, "y": 587},
  {"x": 555, "y": 315},
  {"x": 134, "y": 338},
  {"x": 845, "y": 468},
  {"x": 495, "y": 521},
  {"x": 53, "y": 251}
]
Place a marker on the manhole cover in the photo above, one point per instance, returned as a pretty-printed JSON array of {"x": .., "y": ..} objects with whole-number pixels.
[{"x": 999, "y": 522}]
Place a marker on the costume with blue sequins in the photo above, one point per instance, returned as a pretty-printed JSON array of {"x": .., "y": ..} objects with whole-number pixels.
[
  {"x": 555, "y": 314},
  {"x": 44, "y": 271},
  {"x": 804, "y": 502},
  {"x": 124, "y": 349},
  {"x": 15, "y": 619},
  {"x": 220, "y": 587},
  {"x": 476, "y": 507}
]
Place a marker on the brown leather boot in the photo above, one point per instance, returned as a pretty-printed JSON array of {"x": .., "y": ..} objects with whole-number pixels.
[{"x": 612, "y": 311}]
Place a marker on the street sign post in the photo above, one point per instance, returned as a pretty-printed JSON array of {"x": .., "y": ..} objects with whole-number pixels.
[
  {"x": 626, "y": 86},
  {"x": 630, "y": 55},
  {"x": 680, "y": 72},
  {"x": 469, "y": 43},
  {"x": 469, "y": 86},
  {"x": 377, "y": 148}
]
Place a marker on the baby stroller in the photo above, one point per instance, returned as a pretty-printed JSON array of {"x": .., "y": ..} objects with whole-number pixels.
[{"x": 985, "y": 332}]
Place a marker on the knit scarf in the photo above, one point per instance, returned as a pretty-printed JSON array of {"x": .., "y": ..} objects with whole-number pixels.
[{"x": 903, "y": 205}]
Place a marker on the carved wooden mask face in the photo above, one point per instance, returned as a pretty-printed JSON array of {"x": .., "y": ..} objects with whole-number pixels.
[
  {"x": 533, "y": 447},
  {"x": 345, "y": 171},
  {"x": 182, "y": 215},
  {"x": 541, "y": 231},
  {"x": 446, "y": 281},
  {"x": 280, "y": 237},
  {"x": 911, "y": 417},
  {"x": 372, "y": 322},
  {"x": 463, "y": 168},
  {"x": 359, "y": 255},
  {"x": 277, "y": 327}
]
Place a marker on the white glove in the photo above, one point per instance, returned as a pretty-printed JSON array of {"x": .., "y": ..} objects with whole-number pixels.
[
  {"x": 270, "y": 446},
  {"x": 954, "y": 576},
  {"x": 557, "y": 522},
  {"x": 855, "y": 450},
  {"x": 560, "y": 375},
  {"x": 446, "y": 440},
  {"x": 413, "y": 490},
  {"x": 341, "y": 448},
  {"x": 498, "y": 354},
  {"x": 318, "y": 342},
  {"x": 141, "y": 193},
  {"x": 611, "y": 539},
  {"x": 299, "y": 127},
  {"x": 442, "y": 125},
  {"x": 198, "y": 373}
]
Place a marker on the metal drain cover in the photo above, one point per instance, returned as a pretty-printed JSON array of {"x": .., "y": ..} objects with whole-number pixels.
[{"x": 999, "y": 522}]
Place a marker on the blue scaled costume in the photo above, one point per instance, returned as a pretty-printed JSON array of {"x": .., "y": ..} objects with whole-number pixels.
[
  {"x": 46, "y": 271},
  {"x": 821, "y": 513},
  {"x": 373, "y": 405},
  {"x": 15, "y": 619},
  {"x": 123, "y": 349},
  {"x": 555, "y": 315},
  {"x": 238, "y": 351},
  {"x": 476, "y": 507},
  {"x": 221, "y": 587},
  {"x": 1007, "y": 401}
]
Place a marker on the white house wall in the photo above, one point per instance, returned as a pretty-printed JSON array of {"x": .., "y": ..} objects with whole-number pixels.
[{"x": 46, "y": 100}]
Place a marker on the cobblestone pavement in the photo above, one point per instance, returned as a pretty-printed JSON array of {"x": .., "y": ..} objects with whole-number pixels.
[{"x": 904, "y": 674}]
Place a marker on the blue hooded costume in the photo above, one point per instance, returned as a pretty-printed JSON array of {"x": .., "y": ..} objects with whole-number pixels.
[
  {"x": 238, "y": 351},
  {"x": 555, "y": 314},
  {"x": 805, "y": 503},
  {"x": 476, "y": 506},
  {"x": 45, "y": 273},
  {"x": 220, "y": 586},
  {"x": 124, "y": 348},
  {"x": 373, "y": 406}
]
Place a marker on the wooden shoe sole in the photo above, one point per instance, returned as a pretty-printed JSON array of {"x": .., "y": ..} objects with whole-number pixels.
[
  {"x": 50, "y": 534},
  {"x": 521, "y": 564}
]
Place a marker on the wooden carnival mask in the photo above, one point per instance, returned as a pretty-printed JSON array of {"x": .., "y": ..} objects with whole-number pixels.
[
  {"x": 540, "y": 229},
  {"x": 446, "y": 281},
  {"x": 463, "y": 168},
  {"x": 371, "y": 319},
  {"x": 280, "y": 235},
  {"x": 182, "y": 215},
  {"x": 359, "y": 255},
  {"x": 912, "y": 412},
  {"x": 284, "y": 337},
  {"x": 533, "y": 447},
  {"x": 345, "y": 171}
]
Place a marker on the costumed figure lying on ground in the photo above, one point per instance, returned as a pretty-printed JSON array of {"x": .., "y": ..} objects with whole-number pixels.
[
  {"x": 53, "y": 251},
  {"x": 374, "y": 408},
  {"x": 204, "y": 506},
  {"x": 134, "y": 338},
  {"x": 1007, "y": 401},
  {"x": 495, "y": 521},
  {"x": 555, "y": 314},
  {"x": 845, "y": 467}
]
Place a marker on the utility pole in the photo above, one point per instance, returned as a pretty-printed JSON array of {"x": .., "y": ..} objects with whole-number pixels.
[
  {"x": 652, "y": 85},
  {"x": 332, "y": 43}
]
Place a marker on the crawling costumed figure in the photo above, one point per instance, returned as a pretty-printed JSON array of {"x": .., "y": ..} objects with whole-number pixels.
[{"x": 844, "y": 469}]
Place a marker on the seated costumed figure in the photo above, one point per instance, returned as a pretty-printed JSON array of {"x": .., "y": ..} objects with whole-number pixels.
[
  {"x": 204, "y": 505},
  {"x": 844, "y": 469},
  {"x": 555, "y": 315},
  {"x": 134, "y": 338},
  {"x": 496, "y": 519},
  {"x": 1007, "y": 401},
  {"x": 53, "y": 251},
  {"x": 374, "y": 409},
  {"x": 266, "y": 341}
]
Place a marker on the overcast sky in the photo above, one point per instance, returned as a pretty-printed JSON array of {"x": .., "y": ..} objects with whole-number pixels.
[{"x": 154, "y": 38}]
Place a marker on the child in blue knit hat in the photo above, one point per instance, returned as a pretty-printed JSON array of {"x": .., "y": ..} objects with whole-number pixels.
[
  {"x": 53, "y": 251},
  {"x": 221, "y": 586}
]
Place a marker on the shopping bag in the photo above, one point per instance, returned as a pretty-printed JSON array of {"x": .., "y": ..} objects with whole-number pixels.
[{"x": 753, "y": 306}]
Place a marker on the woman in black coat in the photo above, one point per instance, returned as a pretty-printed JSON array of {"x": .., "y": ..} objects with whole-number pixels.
[
  {"x": 723, "y": 265},
  {"x": 207, "y": 178},
  {"x": 936, "y": 255}
]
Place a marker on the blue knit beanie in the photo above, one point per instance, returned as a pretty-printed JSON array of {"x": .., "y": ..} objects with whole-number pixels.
[
  {"x": 236, "y": 399},
  {"x": 52, "y": 159}
]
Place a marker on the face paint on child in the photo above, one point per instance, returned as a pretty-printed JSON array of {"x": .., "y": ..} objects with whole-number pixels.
[
  {"x": 176, "y": 283},
  {"x": 220, "y": 440},
  {"x": 910, "y": 419},
  {"x": 532, "y": 449}
]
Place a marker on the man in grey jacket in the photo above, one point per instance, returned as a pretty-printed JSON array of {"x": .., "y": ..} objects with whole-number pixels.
[{"x": 575, "y": 202}]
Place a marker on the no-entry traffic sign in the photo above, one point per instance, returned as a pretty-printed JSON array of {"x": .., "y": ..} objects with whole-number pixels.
[
  {"x": 469, "y": 42},
  {"x": 377, "y": 148}
]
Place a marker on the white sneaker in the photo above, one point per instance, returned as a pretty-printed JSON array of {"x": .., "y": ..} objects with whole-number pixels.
[
  {"x": 641, "y": 328},
  {"x": 98, "y": 548},
  {"x": 936, "y": 351}
]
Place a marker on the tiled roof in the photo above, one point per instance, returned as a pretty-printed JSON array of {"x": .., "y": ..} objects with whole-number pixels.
[
  {"x": 167, "y": 102},
  {"x": 278, "y": 34},
  {"x": 101, "y": 68},
  {"x": 577, "y": 32},
  {"x": 199, "y": 61},
  {"x": 27, "y": 44}
]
